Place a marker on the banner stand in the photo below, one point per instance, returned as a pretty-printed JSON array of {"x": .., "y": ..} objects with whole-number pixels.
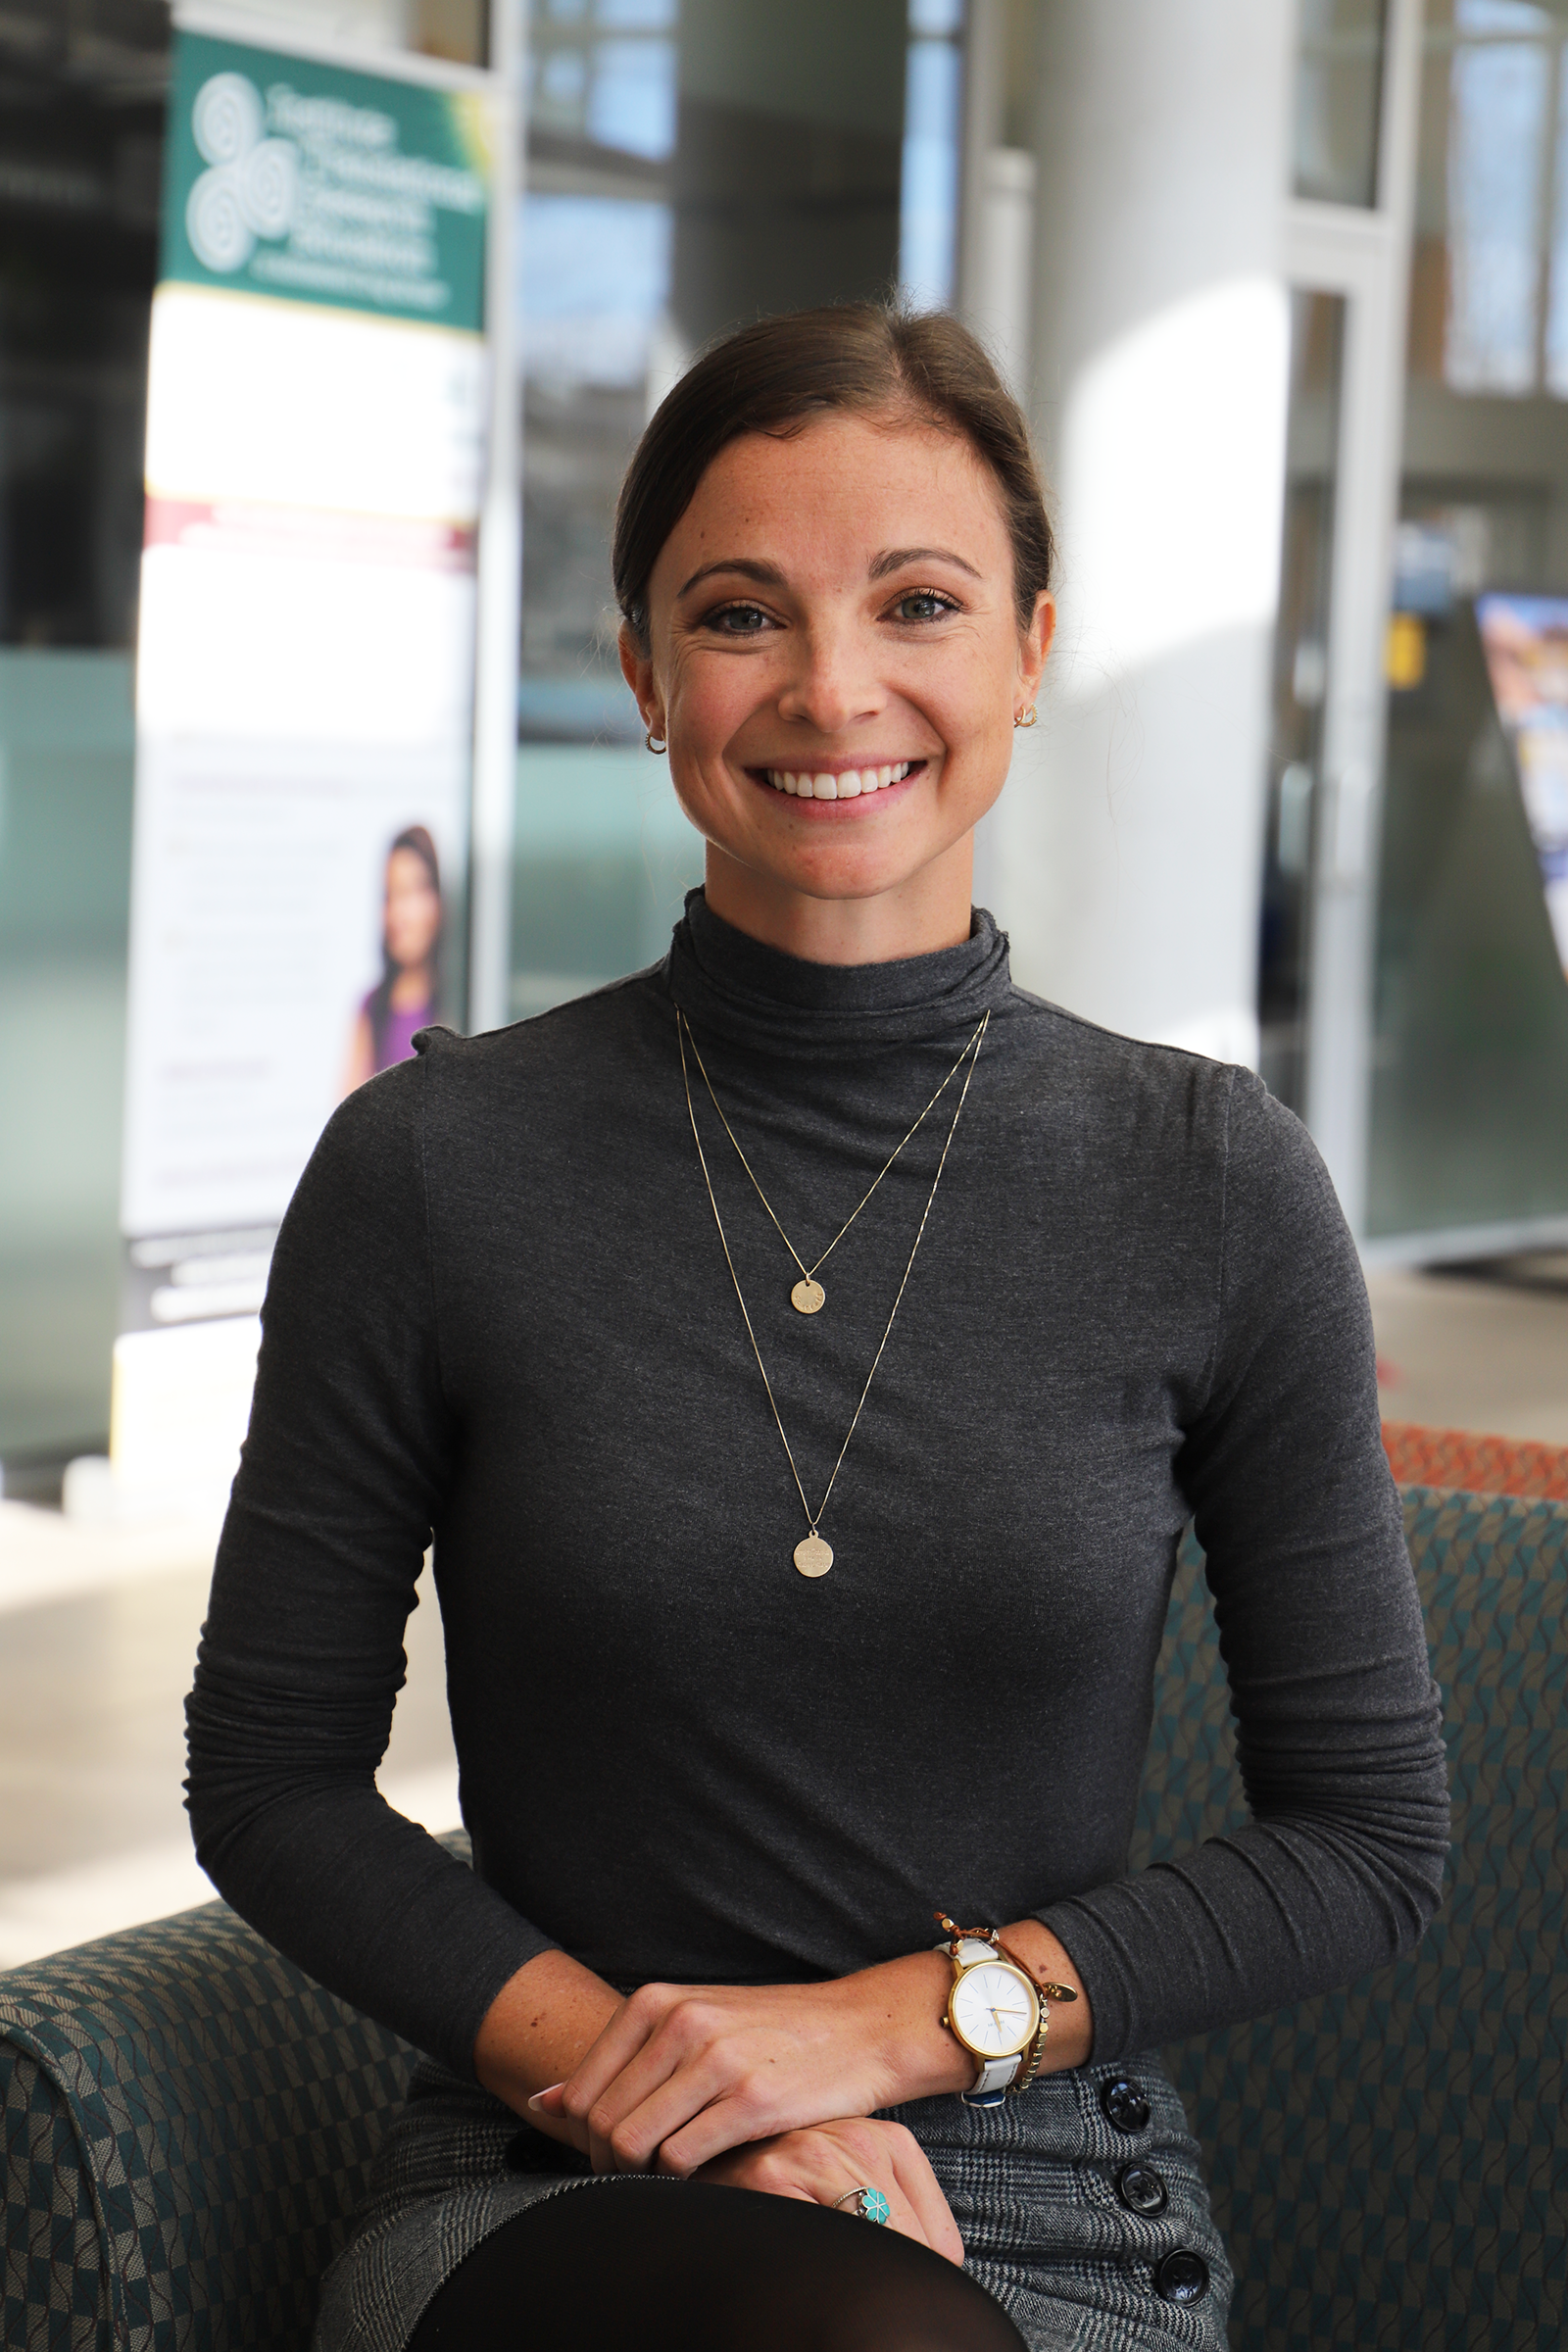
[{"x": 318, "y": 403}]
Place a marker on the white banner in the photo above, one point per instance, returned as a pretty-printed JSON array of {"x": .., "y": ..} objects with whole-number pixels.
[{"x": 305, "y": 675}]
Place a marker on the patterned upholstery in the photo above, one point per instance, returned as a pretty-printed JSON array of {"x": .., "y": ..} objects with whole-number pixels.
[
  {"x": 1389, "y": 2163},
  {"x": 188, "y": 2120},
  {"x": 188, "y": 2124},
  {"x": 1420, "y": 1456}
]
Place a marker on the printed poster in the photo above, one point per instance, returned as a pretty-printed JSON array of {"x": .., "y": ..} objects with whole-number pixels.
[
  {"x": 1525, "y": 644},
  {"x": 316, "y": 447}
]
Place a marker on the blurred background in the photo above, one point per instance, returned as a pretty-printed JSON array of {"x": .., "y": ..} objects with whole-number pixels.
[{"x": 326, "y": 329}]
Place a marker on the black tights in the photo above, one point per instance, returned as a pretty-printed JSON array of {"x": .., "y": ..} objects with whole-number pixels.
[{"x": 653, "y": 2265}]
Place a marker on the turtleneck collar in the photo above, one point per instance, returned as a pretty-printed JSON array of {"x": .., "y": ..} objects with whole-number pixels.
[{"x": 732, "y": 985}]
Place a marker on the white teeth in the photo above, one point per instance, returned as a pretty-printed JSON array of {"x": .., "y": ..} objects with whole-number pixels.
[{"x": 849, "y": 786}]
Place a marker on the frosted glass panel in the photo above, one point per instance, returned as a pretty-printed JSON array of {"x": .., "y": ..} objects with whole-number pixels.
[
  {"x": 1339, "y": 87},
  {"x": 66, "y": 748},
  {"x": 603, "y": 861}
]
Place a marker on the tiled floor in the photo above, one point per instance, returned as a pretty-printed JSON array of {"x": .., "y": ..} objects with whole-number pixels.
[
  {"x": 98, "y": 1630},
  {"x": 1487, "y": 1355},
  {"x": 93, "y": 1833}
]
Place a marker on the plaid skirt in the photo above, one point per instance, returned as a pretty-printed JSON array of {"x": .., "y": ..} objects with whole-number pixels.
[{"x": 1081, "y": 2207}]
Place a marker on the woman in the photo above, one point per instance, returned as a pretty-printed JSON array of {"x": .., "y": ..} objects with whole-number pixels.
[
  {"x": 406, "y": 997},
  {"x": 807, "y": 1354}
]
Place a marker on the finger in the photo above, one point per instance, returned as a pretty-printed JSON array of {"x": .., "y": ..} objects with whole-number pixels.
[
  {"x": 891, "y": 2159},
  {"x": 627, "y": 2122},
  {"x": 632, "y": 2025},
  {"x": 912, "y": 2169},
  {"x": 618, "y": 2073},
  {"x": 902, "y": 2215},
  {"x": 817, "y": 2164},
  {"x": 545, "y": 2114},
  {"x": 729, "y": 2120},
  {"x": 674, "y": 2081}
]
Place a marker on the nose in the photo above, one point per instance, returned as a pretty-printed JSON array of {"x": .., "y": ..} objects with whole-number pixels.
[{"x": 834, "y": 683}]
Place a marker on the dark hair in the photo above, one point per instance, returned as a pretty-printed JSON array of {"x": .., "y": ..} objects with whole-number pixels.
[
  {"x": 774, "y": 376},
  {"x": 379, "y": 1002}
]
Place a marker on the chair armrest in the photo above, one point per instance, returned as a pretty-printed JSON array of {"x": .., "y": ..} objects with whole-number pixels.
[{"x": 190, "y": 2121}]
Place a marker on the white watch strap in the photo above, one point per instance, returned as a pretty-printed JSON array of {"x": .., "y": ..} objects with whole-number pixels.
[
  {"x": 995, "y": 2074},
  {"x": 972, "y": 1950}
]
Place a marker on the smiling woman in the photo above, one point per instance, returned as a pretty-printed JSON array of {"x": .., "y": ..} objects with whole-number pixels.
[
  {"x": 834, "y": 563},
  {"x": 789, "y": 1601}
]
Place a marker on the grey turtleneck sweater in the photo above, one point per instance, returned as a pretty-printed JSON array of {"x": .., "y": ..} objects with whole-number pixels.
[{"x": 498, "y": 1311}]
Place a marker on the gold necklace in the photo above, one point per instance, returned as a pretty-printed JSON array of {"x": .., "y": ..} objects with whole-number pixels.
[
  {"x": 813, "y": 1555},
  {"x": 808, "y": 1297}
]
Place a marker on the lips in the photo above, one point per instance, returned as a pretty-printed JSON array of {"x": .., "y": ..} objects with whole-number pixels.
[{"x": 847, "y": 784}]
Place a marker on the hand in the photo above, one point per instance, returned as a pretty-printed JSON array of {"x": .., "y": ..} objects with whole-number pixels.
[
  {"x": 824, "y": 2164},
  {"x": 683, "y": 2073}
]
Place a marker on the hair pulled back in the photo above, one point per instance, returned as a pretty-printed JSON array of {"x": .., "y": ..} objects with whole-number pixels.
[{"x": 776, "y": 376}]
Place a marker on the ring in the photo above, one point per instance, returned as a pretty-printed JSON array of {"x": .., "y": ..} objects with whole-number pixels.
[{"x": 869, "y": 2203}]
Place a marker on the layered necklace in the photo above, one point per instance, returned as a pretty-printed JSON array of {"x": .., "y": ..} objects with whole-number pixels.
[{"x": 813, "y": 1555}]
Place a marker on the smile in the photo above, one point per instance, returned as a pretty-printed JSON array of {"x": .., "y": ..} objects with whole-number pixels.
[{"x": 848, "y": 784}]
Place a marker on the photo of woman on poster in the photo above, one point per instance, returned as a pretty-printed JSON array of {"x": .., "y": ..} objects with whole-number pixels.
[{"x": 405, "y": 998}]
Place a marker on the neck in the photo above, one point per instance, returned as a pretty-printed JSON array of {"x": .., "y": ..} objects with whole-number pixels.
[
  {"x": 411, "y": 987},
  {"x": 929, "y": 911}
]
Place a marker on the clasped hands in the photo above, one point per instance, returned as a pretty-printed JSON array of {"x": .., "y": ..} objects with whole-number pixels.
[
  {"x": 772, "y": 2087},
  {"x": 767, "y": 2087}
]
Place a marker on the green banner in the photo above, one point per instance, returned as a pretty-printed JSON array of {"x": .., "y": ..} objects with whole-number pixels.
[{"x": 286, "y": 176}]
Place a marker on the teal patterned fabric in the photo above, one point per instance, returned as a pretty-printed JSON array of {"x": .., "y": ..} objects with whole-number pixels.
[
  {"x": 1390, "y": 2163},
  {"x": 190, "y": 2123},
  {"x": 189, "y": 2120}
]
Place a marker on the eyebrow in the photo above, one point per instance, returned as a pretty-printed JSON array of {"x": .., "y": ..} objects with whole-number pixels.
[
  {"x": 896, "y": 559},
  {"x": 768, "y": 576}
]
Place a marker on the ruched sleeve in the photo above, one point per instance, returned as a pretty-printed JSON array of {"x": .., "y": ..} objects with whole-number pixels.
[
  {"x": 340, "y": 1487},
  {"x": 1339, "y": 1723}
]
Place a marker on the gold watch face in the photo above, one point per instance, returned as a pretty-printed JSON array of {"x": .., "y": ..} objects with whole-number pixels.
[{"x": 994, "y": 2010}]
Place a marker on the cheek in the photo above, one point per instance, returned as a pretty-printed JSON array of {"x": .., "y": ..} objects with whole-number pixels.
[{"x": 701, "y": 679}]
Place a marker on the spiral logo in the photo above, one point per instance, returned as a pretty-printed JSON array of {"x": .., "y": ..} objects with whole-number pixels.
[
  {"x": 221, "y": 236},
  {"x": 269, "y": 179},
  {"x": 250, "y": 189},
  {"x": 227, "y": 120}
]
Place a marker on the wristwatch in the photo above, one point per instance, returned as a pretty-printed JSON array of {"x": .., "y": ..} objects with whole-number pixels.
[{"x": 997, "y": 2011}]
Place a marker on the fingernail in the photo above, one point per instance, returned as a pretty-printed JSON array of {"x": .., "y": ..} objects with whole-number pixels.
[{"x": 540, "y": 2096}]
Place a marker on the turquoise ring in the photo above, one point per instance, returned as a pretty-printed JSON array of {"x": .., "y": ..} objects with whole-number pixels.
[{"x": 869, "y": 2203}]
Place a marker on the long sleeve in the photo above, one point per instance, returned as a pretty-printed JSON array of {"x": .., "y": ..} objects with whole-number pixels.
[
  {"x": 500, "y": 1311},
  {"x": 1338, "y": 1724},
  {"x": 301, "y": 1659}
]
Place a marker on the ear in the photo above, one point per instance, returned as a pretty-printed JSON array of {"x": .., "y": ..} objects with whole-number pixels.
[
  {"x": 1035, "y": 645},
  {"x": 637, "y": 668}
]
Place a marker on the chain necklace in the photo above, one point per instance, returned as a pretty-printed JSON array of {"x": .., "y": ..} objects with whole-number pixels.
[
  {"x": 813, "y": 1555},
  {"x": 808, "y": 1297}
]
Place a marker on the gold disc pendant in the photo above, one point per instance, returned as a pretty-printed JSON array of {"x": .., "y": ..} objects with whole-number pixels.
[
  {"x": 808, "y": 1297},
  {"x": 813, "y": 1556}
]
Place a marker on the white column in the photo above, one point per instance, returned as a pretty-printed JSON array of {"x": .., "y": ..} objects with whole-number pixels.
[
  {"x": 996, "y": 204},
  {"x": 1127, "y": 847},
  {"x": 495, "y": 706}
]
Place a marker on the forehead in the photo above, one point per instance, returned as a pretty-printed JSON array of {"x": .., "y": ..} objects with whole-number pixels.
[{"x": 841, "y": 486}]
